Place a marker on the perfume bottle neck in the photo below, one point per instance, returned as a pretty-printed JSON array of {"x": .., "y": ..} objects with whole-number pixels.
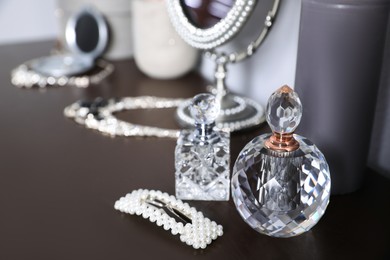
[
  {"x": 204, "y": 131},
  {"x": 282, "y": 142}
]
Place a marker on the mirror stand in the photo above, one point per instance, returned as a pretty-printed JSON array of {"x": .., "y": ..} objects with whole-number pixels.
[{"x": 237, "y": 112}]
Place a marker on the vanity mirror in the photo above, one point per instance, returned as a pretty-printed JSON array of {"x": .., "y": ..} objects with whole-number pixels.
[
  {"x": 209, "y": 24},
  {"x": 86, "y": 38}
]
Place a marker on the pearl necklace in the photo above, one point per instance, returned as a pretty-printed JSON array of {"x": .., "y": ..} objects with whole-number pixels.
[
  {"x": 154, "y": 205},
  {"x": 99, "y": 115}
]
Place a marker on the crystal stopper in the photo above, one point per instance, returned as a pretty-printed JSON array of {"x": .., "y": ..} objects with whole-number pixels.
[
  {"x": 205, "y": 108},
  {"x": 284, "y": 112}
]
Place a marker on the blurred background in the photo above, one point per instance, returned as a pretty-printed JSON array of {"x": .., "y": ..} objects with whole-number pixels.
[{"x": 24, "y": 20}]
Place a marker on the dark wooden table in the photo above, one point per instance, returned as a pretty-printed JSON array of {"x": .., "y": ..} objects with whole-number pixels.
[{"x": 59, "y": 182}]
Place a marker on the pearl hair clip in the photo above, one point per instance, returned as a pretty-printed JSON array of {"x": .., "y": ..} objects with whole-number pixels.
[{"x": 197, "y": 230}]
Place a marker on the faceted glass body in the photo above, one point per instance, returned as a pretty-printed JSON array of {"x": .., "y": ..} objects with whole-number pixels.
[
  {"x": 202, "y": 166},
  {"x": 281, "y": 194}
]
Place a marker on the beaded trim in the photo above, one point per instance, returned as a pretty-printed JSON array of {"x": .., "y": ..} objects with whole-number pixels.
[
  {"x": 154, "y": 205},
  {"x": 218, "y": 34}
]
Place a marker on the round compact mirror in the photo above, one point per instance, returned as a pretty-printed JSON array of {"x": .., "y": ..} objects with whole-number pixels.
[
  {"x": 86, "y": 36},
  {"x": 62, "y": 65},
  {"x": 209, "y": 24},
  {"x": 86, "y": 33}
]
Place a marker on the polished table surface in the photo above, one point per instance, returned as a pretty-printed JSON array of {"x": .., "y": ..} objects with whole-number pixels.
[{"x": 59, "y": 182}]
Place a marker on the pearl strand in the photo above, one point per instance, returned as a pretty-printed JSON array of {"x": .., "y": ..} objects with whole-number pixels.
[
  {"x": 198, "y": 234},
  {"x": 100, "y": 115}
]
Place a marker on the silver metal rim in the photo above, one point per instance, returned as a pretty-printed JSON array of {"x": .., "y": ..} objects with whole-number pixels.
[{"x": 70, "y": 32}]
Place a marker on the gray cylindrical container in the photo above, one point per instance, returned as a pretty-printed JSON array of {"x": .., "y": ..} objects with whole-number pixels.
[{"x": 340, "y": 51}]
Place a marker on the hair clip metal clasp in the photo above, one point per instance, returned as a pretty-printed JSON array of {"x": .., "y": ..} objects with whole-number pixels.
[{"x": 172, "y": 214}]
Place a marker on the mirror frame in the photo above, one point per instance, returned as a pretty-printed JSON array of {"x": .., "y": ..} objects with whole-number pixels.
[
  {"x": 70, "y": 32},
  {"x": 216, "y": 35}
]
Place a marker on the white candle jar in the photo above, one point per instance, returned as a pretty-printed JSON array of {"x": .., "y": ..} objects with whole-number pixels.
[{"x": 159, "y": 51}]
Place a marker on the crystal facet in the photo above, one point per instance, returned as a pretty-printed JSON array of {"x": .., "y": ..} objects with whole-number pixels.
[
  {"x": 205, "y": 108},
  {"x": 281, "y": 196},
  {"x": 202, "y": 155},
  {"x": 281, "y": 193},
  {"x": 284, "y": 110},
  {"x": 202, "y": 171}
]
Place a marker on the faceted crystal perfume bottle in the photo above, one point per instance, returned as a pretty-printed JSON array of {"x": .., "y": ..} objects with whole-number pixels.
[
  {"x": 202, "y": 155},
  {"x": 281, "y": 181}
]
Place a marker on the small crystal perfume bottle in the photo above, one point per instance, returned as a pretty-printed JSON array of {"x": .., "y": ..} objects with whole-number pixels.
[
  {"x": 281, "y": 181},
  {"x": 202, "y": 155}
]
